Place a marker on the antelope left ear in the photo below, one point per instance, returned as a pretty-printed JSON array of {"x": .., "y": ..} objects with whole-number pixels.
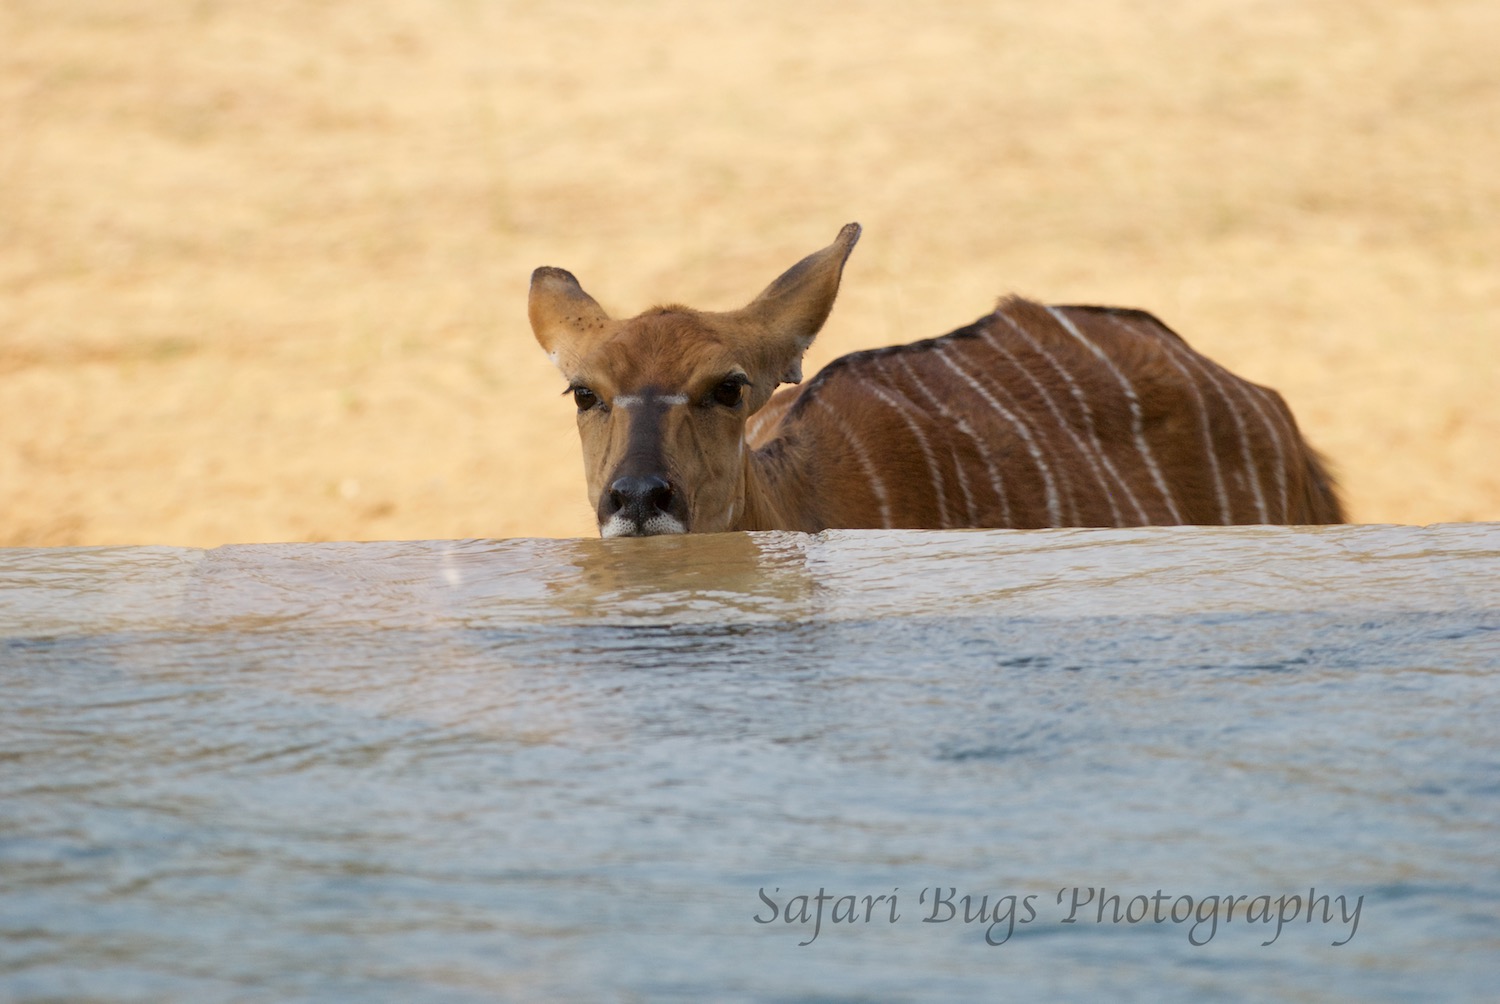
[
  {"x": 791, "y": 311},
  {"x": 564, "y": 318}
]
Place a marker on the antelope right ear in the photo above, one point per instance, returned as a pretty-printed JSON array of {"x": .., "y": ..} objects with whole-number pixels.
[
  {"x": 565, "y": 319},
  {"x": 791, "y": 311}
]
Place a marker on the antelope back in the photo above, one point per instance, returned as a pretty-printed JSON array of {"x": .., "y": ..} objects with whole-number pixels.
[{"x": 1046, "y": 416}]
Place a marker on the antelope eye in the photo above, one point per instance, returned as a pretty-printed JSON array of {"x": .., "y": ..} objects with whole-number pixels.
[
  {"x": 584, "y": 398},
  {"x": 727, "y": 393}
]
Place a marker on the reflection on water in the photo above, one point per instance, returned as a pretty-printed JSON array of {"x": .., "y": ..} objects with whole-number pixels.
[{"x": 527, "y": 769}]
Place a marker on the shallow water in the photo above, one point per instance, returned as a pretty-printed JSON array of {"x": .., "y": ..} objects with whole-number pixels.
[{"x": 595, "y": 770}]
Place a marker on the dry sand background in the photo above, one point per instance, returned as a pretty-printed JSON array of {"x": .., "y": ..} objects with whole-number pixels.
[{"x": 263, "y": 265}]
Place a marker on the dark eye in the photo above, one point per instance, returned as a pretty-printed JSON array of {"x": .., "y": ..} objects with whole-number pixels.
[
  {"x": 584, "y": 398},
  {"x": 727, "y": 393}
]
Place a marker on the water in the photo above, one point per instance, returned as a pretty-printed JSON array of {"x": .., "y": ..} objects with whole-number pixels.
[{"x": 606, "y": 770}]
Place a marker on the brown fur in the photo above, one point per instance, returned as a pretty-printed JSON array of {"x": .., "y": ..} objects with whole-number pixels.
[{"x": 1030, "y": 417}]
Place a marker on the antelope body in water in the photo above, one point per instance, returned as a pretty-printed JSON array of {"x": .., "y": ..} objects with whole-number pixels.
[{"x": 1032, "y": 416}]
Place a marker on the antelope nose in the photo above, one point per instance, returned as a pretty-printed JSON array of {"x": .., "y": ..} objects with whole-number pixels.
[{"x": 640, "y": 498}]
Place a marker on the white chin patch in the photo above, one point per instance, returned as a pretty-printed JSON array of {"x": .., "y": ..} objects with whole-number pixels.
[{"x": 619, "y": 526}]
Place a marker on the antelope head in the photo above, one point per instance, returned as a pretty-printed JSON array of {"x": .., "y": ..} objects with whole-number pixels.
[{"x": 663, "y": 397}]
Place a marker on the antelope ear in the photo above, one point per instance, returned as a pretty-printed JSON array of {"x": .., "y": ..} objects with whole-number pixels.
[
  {"x": 792, "y": 309},
  {"x": 564, "y": 318}
]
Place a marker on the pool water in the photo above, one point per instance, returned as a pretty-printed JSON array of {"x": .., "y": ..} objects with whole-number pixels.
[{"x": 1165, "y": 763}]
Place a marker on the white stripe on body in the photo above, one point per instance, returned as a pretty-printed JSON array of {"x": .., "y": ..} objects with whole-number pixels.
[
  {"x": 1054, "y": 508},
  {"x": 932, "y": 466},
  {"x": 1259, "y": 401},
  {"x": 752, "y": 426},
  {"x": 1092, "y": 458},
  {"x": 1136, "y": 421},
  {"x": 1055, "y": 468},
  {"x": 1174, "y": 347},
  {"x": 1088, "y": 414},
  {"x": 1211, "y": 372},
  {"x": 962, "y": 425},
  {"x": 877, "y": 486}
]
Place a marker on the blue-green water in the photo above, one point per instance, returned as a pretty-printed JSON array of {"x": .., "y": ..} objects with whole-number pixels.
[{"x": 626, "y": 770}]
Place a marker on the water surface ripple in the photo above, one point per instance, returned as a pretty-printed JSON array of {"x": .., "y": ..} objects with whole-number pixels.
[{"x": 606, "y": 770}]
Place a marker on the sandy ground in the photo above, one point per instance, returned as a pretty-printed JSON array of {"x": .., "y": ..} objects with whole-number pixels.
[{"x": 263, "y": 265}]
